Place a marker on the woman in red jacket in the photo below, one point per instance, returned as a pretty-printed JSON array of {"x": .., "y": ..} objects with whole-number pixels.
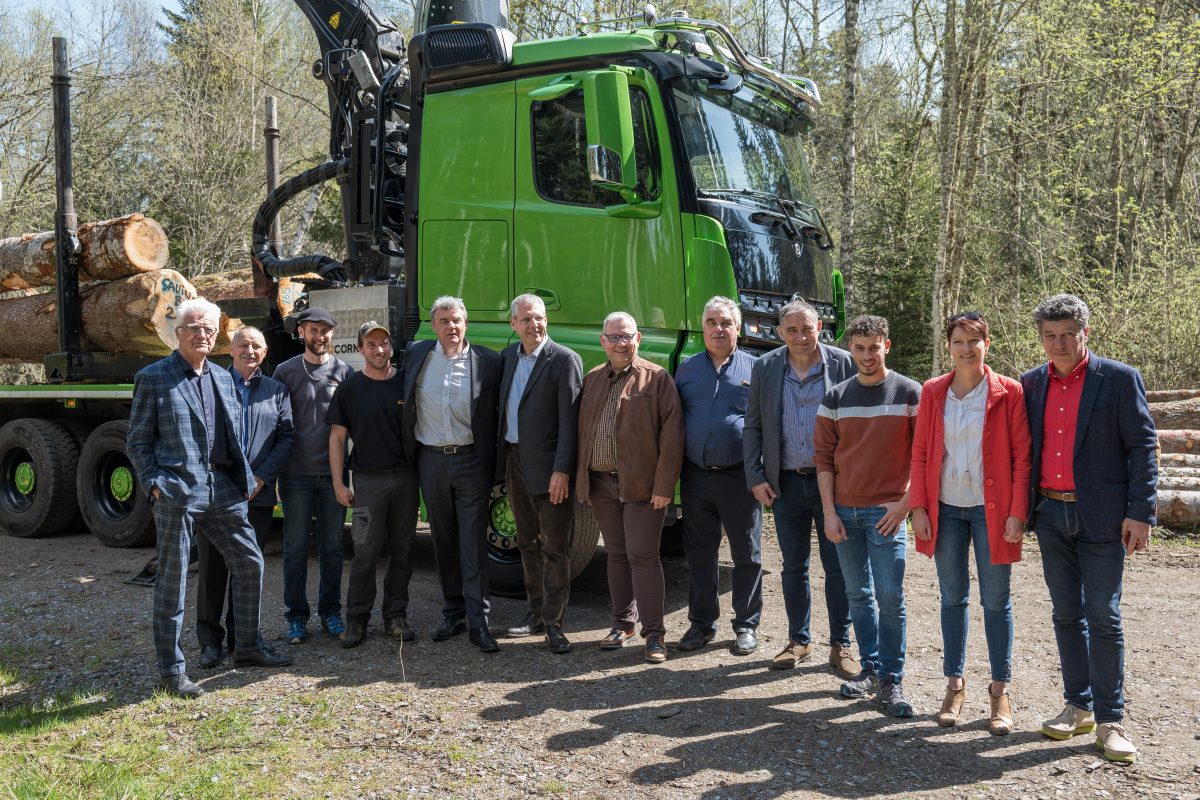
[{"x": 970, "y": 487}]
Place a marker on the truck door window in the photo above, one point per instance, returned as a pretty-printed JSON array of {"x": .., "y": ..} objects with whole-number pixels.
[{"x": 560, "y": 151}]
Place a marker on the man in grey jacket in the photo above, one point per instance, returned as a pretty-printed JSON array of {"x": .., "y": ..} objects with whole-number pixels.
[{"x": 786, "y": 389}]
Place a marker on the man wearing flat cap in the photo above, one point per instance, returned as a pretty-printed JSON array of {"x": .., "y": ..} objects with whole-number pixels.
[
  {"x": 367, "y": 410},
  {"x": 305, "y": 485}
]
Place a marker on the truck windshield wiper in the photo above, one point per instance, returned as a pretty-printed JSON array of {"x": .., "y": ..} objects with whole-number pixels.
[{"x": 784, "y": 215}]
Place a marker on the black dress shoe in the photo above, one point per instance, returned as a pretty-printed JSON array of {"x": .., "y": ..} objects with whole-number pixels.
[
  {"x": 527, "y": 627},
  {"x": 210, "y": 656},
  {"x": 260, "y": 656},
  {"x": 180, "y": 686},
  {"x": 557, "y": 641},
  {"x": 482, "y": 638},
  {"x": 695, "y": 638},
  {"x": 449, "y": 628}
]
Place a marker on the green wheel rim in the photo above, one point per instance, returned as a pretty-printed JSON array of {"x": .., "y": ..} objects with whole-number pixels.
[
  {"x": 503, "y": 521},
  {"x": 25, "y": 478},
  {"x": 121, "y": 484}
]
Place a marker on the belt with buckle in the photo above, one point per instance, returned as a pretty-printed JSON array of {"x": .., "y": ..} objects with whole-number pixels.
[
  {"x": 449, "y": 449},
  {"x": 802, "y": 470},
  {"x": 724, "y": 467},
  {"x": 1065, "y": 497}
]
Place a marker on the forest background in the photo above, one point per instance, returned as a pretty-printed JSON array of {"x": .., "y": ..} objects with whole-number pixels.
[{"x": 969, "y": 154}]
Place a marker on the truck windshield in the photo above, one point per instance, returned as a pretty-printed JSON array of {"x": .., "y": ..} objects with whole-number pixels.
[{"x": 743, "y": 140}]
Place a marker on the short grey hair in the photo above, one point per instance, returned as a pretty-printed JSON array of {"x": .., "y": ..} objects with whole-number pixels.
[
  {"x": 525, "y": 299},
  {"x": 723, "y": 304},
  {"x": 245, "y": 330},
  {"x": 447, "y": 303},
  {"x": 799, "y": 306},
  {"x": 198, "y": 308},
  {"x": 1061, "y": 307},
  {"x": 623, "y": 316}
]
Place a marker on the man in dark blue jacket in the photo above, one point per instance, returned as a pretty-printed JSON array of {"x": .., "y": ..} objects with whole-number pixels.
[
  {"x": 267, "y": 431},
  {"x": 1095, "y": 471}
]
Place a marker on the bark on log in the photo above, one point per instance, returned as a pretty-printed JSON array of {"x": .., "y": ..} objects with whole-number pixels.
[
  {"x": 1179, "y": 510},
  {"x": 111, "y": 250},
  {"x": 133, "y": 315},
  {"x": 1178, "y": 460},
  {"x": 1177, "y": 414},
  {"x": 1178, "y": 472},
  {"x": 1168, "y": 395},
  {"x": 239, "y": 283},
  {"x": 1176, "y": 483},
  {"x": 1179, "y": 441}
]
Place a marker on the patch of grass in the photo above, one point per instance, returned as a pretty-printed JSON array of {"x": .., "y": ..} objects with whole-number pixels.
[
  {"x": 460, "y": 755},
  {"x": 46, "y": 716},
  {"x": 554, "y": 787}
]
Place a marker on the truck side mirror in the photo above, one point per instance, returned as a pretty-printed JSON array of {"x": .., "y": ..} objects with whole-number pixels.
[{"x": 610, "y": 132}]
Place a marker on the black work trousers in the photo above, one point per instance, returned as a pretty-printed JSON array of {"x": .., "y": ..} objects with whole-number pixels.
[{"x": 385, "y": 514}]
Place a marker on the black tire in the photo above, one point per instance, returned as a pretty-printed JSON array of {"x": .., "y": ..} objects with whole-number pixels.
[
  {"x": 37, "y": 475},
  {"x": 80, "y": 429},
  {"x": 111, "y": 500},
  {"x": 585, "y": 535},
  {"x": 505, "y": 575}
]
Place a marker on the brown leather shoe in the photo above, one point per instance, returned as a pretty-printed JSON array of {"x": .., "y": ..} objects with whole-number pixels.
[
  {"x": 656, "y": 651},
  {"x": 616, "y": 639},
  {"x": 791, "y": 655},
  {"x": 1000, "y": 720},
  {"x": 952, "y": 706},
  {"x": 843, "y": 661}
]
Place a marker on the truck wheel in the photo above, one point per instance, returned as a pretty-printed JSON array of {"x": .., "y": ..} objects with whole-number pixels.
[
  {"x": 80, "y": 429},
  {"x": 37, "y": 468},
  {"x": 505, "y": 576},
  {"x": 585, "y": 535},
  {"x": 111, "y": 500}
]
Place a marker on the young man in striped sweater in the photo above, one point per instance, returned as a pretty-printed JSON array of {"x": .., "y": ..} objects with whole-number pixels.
[{"x": 863, "y": 445}]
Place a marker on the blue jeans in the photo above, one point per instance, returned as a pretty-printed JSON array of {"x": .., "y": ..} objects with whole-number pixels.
[
  {"x": 873, "y": 568},
  {"x": 796, "y": 509},
  {"x": 301, "y": 495},
  {"x": 958, "y": 529},
  {"x": 1083, "y": 571}
]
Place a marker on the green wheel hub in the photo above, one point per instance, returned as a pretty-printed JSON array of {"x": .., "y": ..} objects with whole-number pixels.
[
  {"x": 121, "y": 484},
  {"x": 503, "y": 521},
  {"x": 25, "y": 478}
]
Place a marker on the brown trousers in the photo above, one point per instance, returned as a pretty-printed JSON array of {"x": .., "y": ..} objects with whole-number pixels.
[
  {"x": 544, "y": 538},
  {"x": 632, "y": 534}
]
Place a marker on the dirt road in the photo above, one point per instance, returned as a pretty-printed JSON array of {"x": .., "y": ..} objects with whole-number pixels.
[{"x": 442, "y": 720}]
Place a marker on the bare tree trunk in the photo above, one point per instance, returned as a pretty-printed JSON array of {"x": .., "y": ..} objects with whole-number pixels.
[
  {"x": 849, "y": 143},
  {"x": 306, "y": 220}
]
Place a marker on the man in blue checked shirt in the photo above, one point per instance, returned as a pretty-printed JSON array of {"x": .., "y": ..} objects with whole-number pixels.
[{"x": 714, "y": 387}]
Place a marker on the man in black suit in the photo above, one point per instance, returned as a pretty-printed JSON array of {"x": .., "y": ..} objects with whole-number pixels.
[
  {"x": 539, "y": 417},
  {"x": 450, "y": 399}
]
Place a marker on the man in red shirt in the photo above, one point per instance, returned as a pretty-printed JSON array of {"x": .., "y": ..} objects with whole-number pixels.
[{"x": 1093, "y": 504}]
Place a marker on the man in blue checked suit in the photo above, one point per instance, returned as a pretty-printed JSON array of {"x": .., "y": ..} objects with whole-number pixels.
[{"x": 185, "y": 445}]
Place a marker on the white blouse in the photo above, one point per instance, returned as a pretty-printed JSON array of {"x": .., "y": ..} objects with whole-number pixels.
[{"x": 962, "y": 462}]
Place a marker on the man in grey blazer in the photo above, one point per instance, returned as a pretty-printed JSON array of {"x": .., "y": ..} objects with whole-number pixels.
[
  {"x": 786, "y": 388},
  {"x": 185, "y": 445},
  {"x": 539, "y": 419},
  {"x": 451, "y": 389}
]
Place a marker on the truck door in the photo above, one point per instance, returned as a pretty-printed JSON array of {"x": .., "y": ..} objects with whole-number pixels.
[{"x": 577, "y": 246}]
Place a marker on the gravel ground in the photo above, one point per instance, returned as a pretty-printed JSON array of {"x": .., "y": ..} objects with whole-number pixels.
[{"x": 441, "y": 719}]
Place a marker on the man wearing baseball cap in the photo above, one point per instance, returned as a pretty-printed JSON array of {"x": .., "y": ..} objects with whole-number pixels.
[
  {"x": 384, "y": 497},
  {"x": 305, "y": 485}
]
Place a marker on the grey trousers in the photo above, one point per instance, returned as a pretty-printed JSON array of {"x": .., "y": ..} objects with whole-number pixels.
[{"x": 385, "y": 513}]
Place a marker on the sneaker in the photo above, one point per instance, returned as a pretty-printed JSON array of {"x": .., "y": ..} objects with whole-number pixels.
[
  {"x": 894, "y": 701},
  {"x": 843, "y": 661},
  {"x": 333, "y": 625},
  {"x": 864, "y": 684},
  {"x": 297, "y": 632},
  {"x": 1071, "y": 722},
  {"x": 791, "y": 655},
  {"x": 1112, "y": 739}
]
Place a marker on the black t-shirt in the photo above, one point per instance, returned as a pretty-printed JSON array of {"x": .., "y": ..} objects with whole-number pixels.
[{"x": 370, "y": 410}]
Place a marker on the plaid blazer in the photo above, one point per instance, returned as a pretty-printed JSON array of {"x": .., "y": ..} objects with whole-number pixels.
[{"x": 167, "y": 438}]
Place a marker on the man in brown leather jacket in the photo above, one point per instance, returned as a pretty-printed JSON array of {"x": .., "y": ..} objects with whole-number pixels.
[{"x": 629, "y": 457}]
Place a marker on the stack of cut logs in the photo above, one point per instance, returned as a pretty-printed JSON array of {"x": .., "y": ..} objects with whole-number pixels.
[
  {"x": 128, "y": 296},
  {"x": 1177, "y": 416}
]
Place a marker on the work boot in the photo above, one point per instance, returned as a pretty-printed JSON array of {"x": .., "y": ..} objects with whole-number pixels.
[{"x": 843, "y": 661}]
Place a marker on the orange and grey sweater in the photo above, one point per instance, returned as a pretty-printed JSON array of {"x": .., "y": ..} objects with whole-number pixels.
[{"x": 864, "y": 436}]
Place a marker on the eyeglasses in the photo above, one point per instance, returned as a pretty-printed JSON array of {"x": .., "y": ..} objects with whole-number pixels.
[
  {"x": 973, "y": 316},
  {"x": 198, "y": 330},
  {"x": 619, "y": 338}
]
